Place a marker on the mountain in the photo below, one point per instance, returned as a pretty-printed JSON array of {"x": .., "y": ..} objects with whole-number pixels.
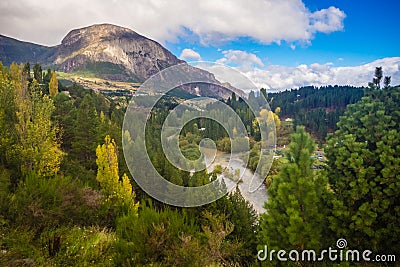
[
  {"x": 105, "y": 51},
  {"x": 118, "y": 52},
  {"x": 12, "y": 50}
]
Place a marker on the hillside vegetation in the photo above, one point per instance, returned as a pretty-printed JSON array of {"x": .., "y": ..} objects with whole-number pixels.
[{"x": 67, "y": 197}]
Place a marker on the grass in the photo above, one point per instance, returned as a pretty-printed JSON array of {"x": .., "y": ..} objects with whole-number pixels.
[{"x": 95, "y": 83}]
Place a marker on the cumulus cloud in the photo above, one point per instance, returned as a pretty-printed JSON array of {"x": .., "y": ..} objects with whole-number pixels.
[
  {"x": 239, "y": 57},
  {"x": 327, "y": 20},
  {"x": 281, "y": 77},
  {"x": 275, "y": 77},
  {"x": 206, "y": 21},
  {"x": 189, "y": 55}
]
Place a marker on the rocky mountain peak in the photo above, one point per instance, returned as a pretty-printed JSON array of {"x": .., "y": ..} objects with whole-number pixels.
[
  {"x": 110, "y": 52},
  {"x": 122, "y": 51},
  {"x": 96, "y": 33}
]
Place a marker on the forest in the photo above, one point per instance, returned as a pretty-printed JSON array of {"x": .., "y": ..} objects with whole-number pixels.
[
  {"x": 317, "y": 108},
  {"x": 67, "y": 197}
]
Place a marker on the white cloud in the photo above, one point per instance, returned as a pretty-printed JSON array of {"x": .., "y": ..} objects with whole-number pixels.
[
  {"x": 275, "y": 77},
  {"x": 207, "y": 21},
  {"x": 241, "y": 58},
  {"x": 280, "y": 77},
  {"x": 189, "y": 55},
  {"x": 327, "y": 20}
]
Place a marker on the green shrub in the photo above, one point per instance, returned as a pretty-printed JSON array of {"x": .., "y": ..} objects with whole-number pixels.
[
  {"x": 167, "y": 237},
  {"x": 42, "y": 203},
  {"x": 78, "y": 246}
]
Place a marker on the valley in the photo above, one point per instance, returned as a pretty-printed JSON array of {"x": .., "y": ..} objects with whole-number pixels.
[
  {"x": 100, "y": 85},
  {"x": 98, "y": 170}
]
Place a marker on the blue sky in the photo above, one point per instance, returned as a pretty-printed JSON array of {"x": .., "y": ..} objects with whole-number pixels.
[
  {"x": 278, "y": 44},
  {"x": 370, "y": 32}
]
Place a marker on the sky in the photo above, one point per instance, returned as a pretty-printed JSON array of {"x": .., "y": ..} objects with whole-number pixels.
[{"x": 277, "y": 44}]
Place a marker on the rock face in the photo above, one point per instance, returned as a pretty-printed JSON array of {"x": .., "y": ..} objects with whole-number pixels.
[
  {"x": 109, "y": 52},
  {"x": 138, "y": 55}
]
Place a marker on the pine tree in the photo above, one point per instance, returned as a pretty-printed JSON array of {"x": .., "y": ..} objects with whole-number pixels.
[
  {"x": 387, "y": 81},
  {"x": 65, "y": 116},
  {"x": 37, "y": 73},
  {"x": 27, "y": 71},
  {"x": 245, "y": 219},
  {"x": 378, "y": 76},
  {"x": 363, "y": 159},
  {"x": 295, "y": 217},
  {"x": 86, "y": 134}
]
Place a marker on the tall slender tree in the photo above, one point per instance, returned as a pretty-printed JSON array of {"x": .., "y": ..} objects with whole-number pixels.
[
  {"x": 53, "y": 84},
  {"x": 118, "y": 191},
  {"x": 37, "y": 73},
  {"x": 387, "y": 81},
  {"x": 38, "y": 148},
  {"x": 86, "y": 134},
  {"x": 378, "y": 77}
]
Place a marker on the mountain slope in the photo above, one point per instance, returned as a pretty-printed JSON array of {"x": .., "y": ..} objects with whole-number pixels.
[
  {"x": 109, "y": 52},
  {"x": 12, "y": 50},
  {"x": 119, "y": 47}
]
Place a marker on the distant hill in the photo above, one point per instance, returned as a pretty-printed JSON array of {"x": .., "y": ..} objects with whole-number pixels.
[
  {"x": 317, "y": 108},
  {"x": 105, "y": 51},
  {"x": 12, "y": 50}
]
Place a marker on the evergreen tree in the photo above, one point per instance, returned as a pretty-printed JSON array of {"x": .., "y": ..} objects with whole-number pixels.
[
  {"x": 242, "y": 214},
  {"x": 378, "y": 77},
  {"x": 47, "y": 76},
  {"x": 86, "y": 134},
  {"x": 65, "y": 115},
  {"x": 263, "y": 91},
  {"x": 387, "y": 81},
  {"x": 295, "y": 217},
  {"x": 363, "y": 159},
  {"x": 37, "y": 73},
  {"x": 318, "y": 109},
  {"x": 27, "y": 71}
]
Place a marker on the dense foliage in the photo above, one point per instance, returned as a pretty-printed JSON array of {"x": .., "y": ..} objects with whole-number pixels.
[
  {"x": 364, "y": 172},
  {"x": 67, "y": 198},
  {"x": 298, "y": 202},
  {"x": 318, "y": 109}
]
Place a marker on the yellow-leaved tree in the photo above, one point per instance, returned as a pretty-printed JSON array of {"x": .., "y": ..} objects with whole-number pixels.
[
  {"x": 118, "y": 192},
  {"x": 53, "y": 85},
  {"x": 269, "y": 116},
  {"x": 38, "y": 147}
]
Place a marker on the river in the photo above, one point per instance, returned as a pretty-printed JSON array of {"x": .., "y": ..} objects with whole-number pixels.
[{"x": 256, "y": 198}]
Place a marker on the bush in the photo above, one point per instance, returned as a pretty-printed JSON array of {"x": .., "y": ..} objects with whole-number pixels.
[
  {"x": 63, "y": 246},
  {"x": 166, "y": 237},
  {"x": 91, "y": 246},
  {"x": 42, "y": 203}
]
